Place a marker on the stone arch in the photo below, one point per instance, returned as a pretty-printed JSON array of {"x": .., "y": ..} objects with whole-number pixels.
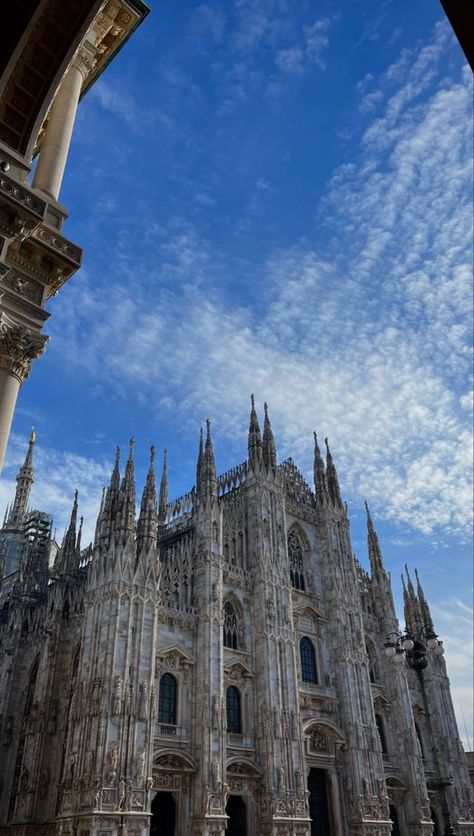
[
  {"x": 330, "y": 728},
  {"x": 167, "y": 758},
  {"x": 395, "y": 783},
  {"x": 322, "y": 738},
  {"x": 244, "y": 765}
]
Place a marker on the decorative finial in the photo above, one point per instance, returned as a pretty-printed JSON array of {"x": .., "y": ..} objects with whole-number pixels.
[
  {"x": 252, "y": 398},
  {"x": 132, "y": 445},
  {"x": 208, "y": 425},
  {"x": 32, "y": 436},
  {"x": 152, "y": 454},
  {"x": 117, "y": 454},
  {"x": 165, "y": 455}
]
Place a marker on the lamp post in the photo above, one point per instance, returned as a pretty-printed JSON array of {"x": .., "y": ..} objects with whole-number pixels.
[{"x": 401, "y": 647}]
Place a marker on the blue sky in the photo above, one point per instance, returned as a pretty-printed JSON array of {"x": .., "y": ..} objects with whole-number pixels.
[{"x": 274, "y": 197}]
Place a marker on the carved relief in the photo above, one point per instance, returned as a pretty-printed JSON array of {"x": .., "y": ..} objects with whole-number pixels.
[{"x": 19, "y": 347}]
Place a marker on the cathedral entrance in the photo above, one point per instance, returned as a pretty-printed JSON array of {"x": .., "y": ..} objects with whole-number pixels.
[
  {"x": 319, "y": 803},
  {"x": 237, "y": 812},
  {"x": 394, "y": 818},
  {"x": 163, "y": 815}
]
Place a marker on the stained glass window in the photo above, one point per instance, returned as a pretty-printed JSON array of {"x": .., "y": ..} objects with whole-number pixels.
[
  {"x": 230, "y": 625},
  {"x": 308, "y": 661},
  {"x": 168, "y": 694},
  {"x": 295, "y": 554},
  {"x": 234, "y": 724}
]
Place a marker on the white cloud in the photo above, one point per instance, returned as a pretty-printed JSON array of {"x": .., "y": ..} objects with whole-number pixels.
[
  {"x": 317, "y": 41},
  {"x": 370, "y": 344},
  {"x": 454, "y": 623},
  {"x": 57, "y": 474},
  {"x": 290, "y": 60}
]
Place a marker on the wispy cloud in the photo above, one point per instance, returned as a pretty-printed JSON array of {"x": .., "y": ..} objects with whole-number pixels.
[
  {"x": 370, "y": 343},
  {"x": 57, "y": 474},
  {"x": 454, "y": 623}
]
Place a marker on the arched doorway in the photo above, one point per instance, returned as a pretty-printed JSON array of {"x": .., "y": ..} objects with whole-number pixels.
[
  {"x": 237, "y": 812},
  {"x": 435, "y": 820},
  {"x": 163, "y": 815},
  {"x": 319, "y": 803},
  {"x": 394, "y": 818}
]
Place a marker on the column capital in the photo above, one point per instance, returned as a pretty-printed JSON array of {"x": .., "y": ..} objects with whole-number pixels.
[
  {"x": 19, "y": 347},
  {"x": 85, "y": 59}
]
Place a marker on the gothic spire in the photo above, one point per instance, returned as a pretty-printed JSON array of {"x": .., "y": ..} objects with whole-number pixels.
[
  {"x": 146, "y": 528},
  {"x": 413, "y": 619},
  {"x": 254, "y": 439},
  {"x": 332, "y": 480},
  {"x": 268, "y": 446},
  {"x": 79, "y": 536},
  {"x": 375, "y": 552},
  {"x": 406, "y": 606},
  {"x": 24, "y": 481},
  {"x": 424, "y": 607},
  {"x": 108, "y": 507},
  {"x": 66, "y": 562},
  {"x": 125, "y": 519},
  {"x": 208, "y": 478},
  {"x": 163, "y": 490},
  {"x": 199, "y": 465},
  {"x": 320, "y": 483}
]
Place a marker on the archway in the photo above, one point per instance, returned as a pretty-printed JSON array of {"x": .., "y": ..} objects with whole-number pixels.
[
  {"x": 237, "y": 812},
  {"x": 163, "y": 815},
  {"x": 319, "y": 803},
  {"x": 394, "y": 819},
  {"x": 435, "y": 820}
]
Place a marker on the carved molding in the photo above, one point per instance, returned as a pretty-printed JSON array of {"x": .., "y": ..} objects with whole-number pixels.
[{"x": 19, "y": 347}]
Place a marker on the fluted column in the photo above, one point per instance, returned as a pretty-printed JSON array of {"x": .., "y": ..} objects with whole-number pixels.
[
  {"x": 55, "y": 147},
  {"x": 18, "y": 348}
]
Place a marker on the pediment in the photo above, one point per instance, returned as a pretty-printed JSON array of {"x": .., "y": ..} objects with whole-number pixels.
[
  {"x": 382, "y": 701},
  {"x": 309, "y": 610},
  {"x": 175, "y": 653},
  {"x": 237, "y": 670}
]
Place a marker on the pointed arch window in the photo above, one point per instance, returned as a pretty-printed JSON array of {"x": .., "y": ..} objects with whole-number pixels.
[
  {"x": 234, "y": 721},
  {"x": 295, "y": 554},
  {"x": 308, "y": 661},
  {"x": 372, "y": 671},
  {"x": 18, "y": 769},
  {"x": 420, "y": 739},
  {"x": 168, "y": 700},
  {"x": 230, "y": 626},
  {"x": 381, "y": 731}
]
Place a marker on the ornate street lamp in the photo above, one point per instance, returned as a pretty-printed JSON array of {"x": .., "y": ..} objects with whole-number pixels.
[{"x": 414, "y": 650}]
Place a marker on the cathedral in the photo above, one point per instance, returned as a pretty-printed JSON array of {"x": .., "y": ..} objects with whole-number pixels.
[{"x": 221, "y": 664}]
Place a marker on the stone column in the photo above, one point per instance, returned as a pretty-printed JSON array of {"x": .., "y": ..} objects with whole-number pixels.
[
  {"x": 55, "y": 147},
  {"x": 18, "y": 348}
]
